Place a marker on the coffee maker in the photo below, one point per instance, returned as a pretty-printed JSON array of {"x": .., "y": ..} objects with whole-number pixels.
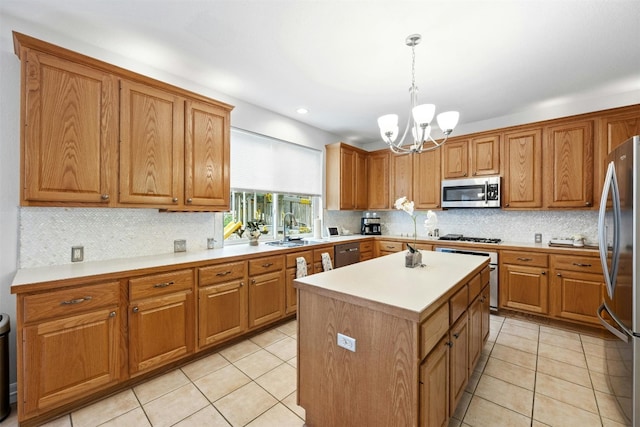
[{"x": 370, "y": 225}]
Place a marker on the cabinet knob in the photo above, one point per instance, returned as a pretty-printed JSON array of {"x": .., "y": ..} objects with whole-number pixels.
[
  {"x": 135, "y": 309},
  {"x": 241, "y": 283},
  {"x": 174, "y": 200},
  {"x": 558, "y": 274},
  {"x": 189, "y": 200},
  {"x": 112, "y": 314},
  {"x": 587, "y": 204},
  {"x": 506, "y": 205},
  {"x": 253, "y": 281},
  {"x": 449, "y": 344},
  {"x": 456, "y": 335},
  {"x": 544, "y": 273},
  {"x": 104, "y": 197}
]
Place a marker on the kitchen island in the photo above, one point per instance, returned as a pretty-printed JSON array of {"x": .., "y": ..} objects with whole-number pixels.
[{"x": 409, "y": 338}]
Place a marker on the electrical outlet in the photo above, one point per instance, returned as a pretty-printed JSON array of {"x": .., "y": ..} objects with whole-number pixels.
[
  {"x": 347, "y": 342},
  {"x": 538, "y": 237},
  {"x": 179, "y": 245},
  {"x": 77, "y": 253}
]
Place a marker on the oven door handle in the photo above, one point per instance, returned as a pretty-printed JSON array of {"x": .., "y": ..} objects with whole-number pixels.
[{"x": 486, "y": 190}]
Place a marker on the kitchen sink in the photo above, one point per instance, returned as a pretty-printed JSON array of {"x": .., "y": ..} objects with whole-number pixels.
[{"x": 288, "y": 243}]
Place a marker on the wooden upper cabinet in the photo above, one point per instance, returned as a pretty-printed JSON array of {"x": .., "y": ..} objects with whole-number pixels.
[
  {"x": 484, "y": 156},
  {"x": 426, "y": 180},
  {"x": 455, "y": 159},
  {"x": 346, "y": 177},
  {"x": 568, "y": 158},
  {"x": 401, "y": 182},
  {"x": 207, "y": 148},
  {"x": 522, "y": 183},
  {"x": 378, "y": 179},
  {"x": 151, "y": 142},
  {"x": 91, "y": 129},
  {"x": 69, "y": 132}
]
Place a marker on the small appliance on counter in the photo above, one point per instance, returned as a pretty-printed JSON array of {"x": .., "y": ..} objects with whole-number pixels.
[{"x": 370, "y": 225}]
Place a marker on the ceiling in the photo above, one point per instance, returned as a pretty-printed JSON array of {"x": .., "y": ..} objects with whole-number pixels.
[{"x": 346, "y": 61}]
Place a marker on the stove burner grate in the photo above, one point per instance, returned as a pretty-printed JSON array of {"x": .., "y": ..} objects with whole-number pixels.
[{"x": 461, "y": 238}]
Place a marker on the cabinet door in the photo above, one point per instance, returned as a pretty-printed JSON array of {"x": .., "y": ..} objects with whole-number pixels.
[
  {"x": 69, "y": 357},
  {"x": 486, "y": 313},
  {"x": 576, "y": 296},
  {"x": 69, "y": 132},
  {"x": 361, "y": 181},
  {"x": 206, "y": 180},
  {"x": 151, "y": 145},
  {"x": 426, "y": 180},
  {"x": 475, "y": 332},
  {"x": 455, "y": 159},
  {"x": 378, "y": 171},
  {"x": 524, "y": 288},
  {"x": 523, "y": 169},
  {"x": 161, "y": 330},
  {"x": 458, "y": 361},
  {"x": 401, "y": 176},
  {"x": 434, "y": 387},
  {"x": 222, "y": 312},
  {"x": 568, "y": 182},
  {"x": 485, "y": 155},
  {"x": 266, "y": 298}
]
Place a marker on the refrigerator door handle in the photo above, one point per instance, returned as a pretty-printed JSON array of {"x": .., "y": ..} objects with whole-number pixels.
[
  {"x": 610, "y": 185},
  {"x": 624, "y": 337}
]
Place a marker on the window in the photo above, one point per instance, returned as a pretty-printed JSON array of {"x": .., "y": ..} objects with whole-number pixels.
[{"x": 269, "y": 210}]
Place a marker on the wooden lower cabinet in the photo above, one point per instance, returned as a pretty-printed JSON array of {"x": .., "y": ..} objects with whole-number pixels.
[
  {"x": 222, "y": 302},
  {"x": 366, "y": 250},
  {"x": 458, "y": 361},
  {"x": 71, "y": 343},
  {"x": 434, "y": 387},
  {"x": 266, "y": 290},
  {"x": 524, "y": 281},
  {"x": 161, "y": 319},
  {"x": 386, "y": 247},
  {"x": 577, "y": 288}
]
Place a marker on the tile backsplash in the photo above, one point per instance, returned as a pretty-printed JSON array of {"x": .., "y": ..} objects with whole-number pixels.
[
  {"x": 511, "y": 226},
  {"x": 48, "y": 234}
]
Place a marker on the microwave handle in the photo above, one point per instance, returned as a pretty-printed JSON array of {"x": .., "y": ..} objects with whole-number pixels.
[{"x": 486, "y": 191}]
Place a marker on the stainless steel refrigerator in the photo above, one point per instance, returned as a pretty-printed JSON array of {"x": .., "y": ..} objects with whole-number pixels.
[{"x": 618, "y": 228}]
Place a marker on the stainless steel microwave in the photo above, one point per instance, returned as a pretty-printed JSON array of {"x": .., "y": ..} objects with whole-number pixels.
[{"x": 471, "y": 193}]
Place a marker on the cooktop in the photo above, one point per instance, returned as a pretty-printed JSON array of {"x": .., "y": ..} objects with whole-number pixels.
[{"x": 461, "y": 238}]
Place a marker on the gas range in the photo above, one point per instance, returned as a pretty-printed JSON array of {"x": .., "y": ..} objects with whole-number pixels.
[{"x": 461, "y": 238}]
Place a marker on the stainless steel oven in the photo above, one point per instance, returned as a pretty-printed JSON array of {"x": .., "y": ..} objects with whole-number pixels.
[{"x": 493, "y": 266}]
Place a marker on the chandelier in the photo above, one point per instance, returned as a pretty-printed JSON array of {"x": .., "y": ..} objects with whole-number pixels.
[{"x": 422, "y": 116}]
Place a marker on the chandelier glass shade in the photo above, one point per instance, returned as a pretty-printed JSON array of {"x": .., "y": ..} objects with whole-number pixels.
[{"x": 422, "y": 115}]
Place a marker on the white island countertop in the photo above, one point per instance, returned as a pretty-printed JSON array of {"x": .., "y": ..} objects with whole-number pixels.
[{"x": 385, "y": 283}]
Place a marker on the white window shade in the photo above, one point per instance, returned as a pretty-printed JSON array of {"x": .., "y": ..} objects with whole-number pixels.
[{"x": 261, "y": 163}]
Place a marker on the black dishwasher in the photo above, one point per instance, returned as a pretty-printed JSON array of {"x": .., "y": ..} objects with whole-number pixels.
[{"x": 346, "y": 253}]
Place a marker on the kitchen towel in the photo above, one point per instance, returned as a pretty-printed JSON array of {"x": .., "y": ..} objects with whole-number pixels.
[
  {"x": 301, "y": 267},
  {"x": 317, "y": 228},
  {"x": 326, "y": 262}
]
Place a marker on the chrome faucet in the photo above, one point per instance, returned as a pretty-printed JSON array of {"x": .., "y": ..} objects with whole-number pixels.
[{"x": 286, "y": 238}]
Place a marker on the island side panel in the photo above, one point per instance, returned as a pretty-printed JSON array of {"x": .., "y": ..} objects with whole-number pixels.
[{"x": 375, "y": 385}]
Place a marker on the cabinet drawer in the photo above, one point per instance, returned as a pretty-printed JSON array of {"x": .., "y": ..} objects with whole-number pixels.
[
  {"x": 265, "y": 265},
  {"x": 524, "y": 258},
  {"x": 317, "y": 255},
  {"x": 475, "y": 286},
  {"x": 366, "y": 246},
  {"x": 221, "y": 273},
  {"x": 458, "y": 303},
  {"x": 291, "y": 258},
  {"x": 387, "y": 246},
  {"x": 70, "y": 301},
  {"x": 577, "y": 263},
  {"x": 432, "y": 329},
  {"x": 160, "y": 284}
]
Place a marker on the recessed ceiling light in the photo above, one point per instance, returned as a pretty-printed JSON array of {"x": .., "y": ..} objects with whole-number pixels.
[{"x": 302, "y": 110}]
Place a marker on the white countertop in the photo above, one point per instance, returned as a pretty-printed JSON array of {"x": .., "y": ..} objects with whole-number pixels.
[
  {"x": 387, "y": 281},
  {"x": 55, "y": 273}
]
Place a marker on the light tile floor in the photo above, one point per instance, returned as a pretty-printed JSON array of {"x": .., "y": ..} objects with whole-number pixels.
[{"x": 530, "y": 374}]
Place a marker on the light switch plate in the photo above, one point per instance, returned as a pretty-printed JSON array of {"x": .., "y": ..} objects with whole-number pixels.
[
  {"x": 179, "y": 245},
  {"x": 77, "y": 253}
]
